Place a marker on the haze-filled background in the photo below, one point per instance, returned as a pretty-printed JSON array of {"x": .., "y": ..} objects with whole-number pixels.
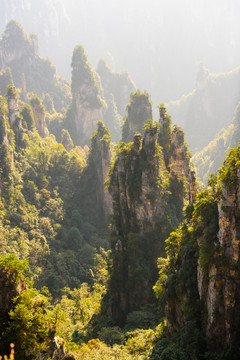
[
  {"x": 160, "y": 277},
  {"x": 159, "y": 42}
]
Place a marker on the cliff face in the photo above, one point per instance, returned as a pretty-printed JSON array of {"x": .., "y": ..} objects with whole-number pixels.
[
  {"x": 112, "y": 119},
  {"x": 148, "y": 193},
  {"x": 221, "y": 294},
  {"x": 101, "y": 157},
  {"x": 14, "y": 44},
  {"x": 209, "y": 106},
  {"x": 19, "y": 52},
  {"x": 135, "y": 182},
  {"x": 87, "y": 102},
  {"x": 199, "y": 281},
  {"x": 93, "y": 193},
  {"x": 6, "y": 139},
  {"x": 85, "y": 117},
  {"x": 5, "y": 80},
  {"x": 120, "y": 85},
  {"x": 13, "y": 110},
  {"x": 16, "y": 48},
  {"x": 210, "y": 158},
  {"x": 39, "y": 116},
  {"x": 12, "y": 285},
  {"x": 139, "y": 110}
]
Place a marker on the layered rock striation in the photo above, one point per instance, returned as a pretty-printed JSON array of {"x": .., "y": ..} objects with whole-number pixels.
[
  {"x": 220, "y": 290},
  {"x": 149, "y": 184},
  {"x": 199, "y": 281}
]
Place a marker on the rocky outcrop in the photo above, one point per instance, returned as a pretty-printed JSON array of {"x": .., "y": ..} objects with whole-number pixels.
[
  {"x": 5, "y": 80},
  {"x": 117, "y": 88},
  {"x": 12, "y": 284},
  {"x": 176, "y": 157},
  {"x": 85, "y": 117},
  {"x": 139, "y": 111},
  {"x": 118, "y": 84},
  {"x": 93, "y": 193},
  {"x": 87, "y": 101},
  {"x": 134, "y": 187},
  {"x": 13, "y": 44},
  {"x": 13, "y": 110},
  {"x": 6, "y": 139},
  {"x": 101, "y": 158},
  {"x": 39, "y": 116},
  {"x": 147, "y": 190},
  {"x": 137, "y": 175},
  {"x": 19, "y": 52},
  {"x": 210, "y": 106},
  {"x": 66, "y": 140},
  {"x": 222, "y": 292},
  {"x": 55, "y": 350},
  {"x": 112, "y": 119},
  {"x": 210, "y": 158},
  {"x": 199, "y": 281}
]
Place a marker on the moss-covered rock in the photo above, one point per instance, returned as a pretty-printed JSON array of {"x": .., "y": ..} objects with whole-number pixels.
[
  {"x": 139, "y": 110},
  {"x": 87, "y": 99}
]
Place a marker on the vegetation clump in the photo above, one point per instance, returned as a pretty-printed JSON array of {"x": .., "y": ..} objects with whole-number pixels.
[{"x": 139, "y": 111}]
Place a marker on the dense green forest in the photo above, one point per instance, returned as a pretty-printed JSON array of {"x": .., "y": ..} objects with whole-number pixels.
[{"x": 108, "y": 248}]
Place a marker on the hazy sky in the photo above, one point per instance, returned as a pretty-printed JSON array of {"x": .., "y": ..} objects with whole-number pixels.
[{"x": 159, "y": 42}]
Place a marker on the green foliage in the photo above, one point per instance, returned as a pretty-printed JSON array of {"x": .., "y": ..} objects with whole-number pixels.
[
  {"x": 39, "y": 74},
  {"x": 139, "y": 179},
  {"x": 14, "y": 37},
  {"x": 191, "y": 250},
  {"x": 111, "y": 335},
  {"x": 27, "y": 115},
  {"x": 228, "y": 172},
  {"x": 139, "y": 111},
  {"x": 210, "y": 158},
  {"x": 66, "y": 140},
  {"x": 116, "y": 85},
  {"x": 140, "y": 319},
  {"x": 48, "y": 103},
  {"x": 91, "y": 186},
  {"x": 55, "y": 125},
  {"x": 112, "y": 119},
  {"x": 205, "y": 223},
  {"x": 11, "y": 91},
  {"x": 5, "y": 80},
  {"x": 36, "y": 103},
  {"x": 82, "y": 73},
  {"x": 41, "y": 218},
  {"x": 139, "y": 342},
  {"x": 29, "y": 323},
  {"x": 173, "y": 352},
  {"x": 13, "y": 265},
  {"x": 165, "y": 132}
]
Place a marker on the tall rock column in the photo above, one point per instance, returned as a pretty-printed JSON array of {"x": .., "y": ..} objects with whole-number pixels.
[
  {"x": 13, "y": 110},
  {"x": 139, "y": 188},
  {"x": 39, "y": 116},
  {"x": 93, "y": 193},
  {"x": 219, "y": 287},
  {"x": 177, "y": 160},
  {"x": 139, "y": 112},
  {"x": 87, "y": 101},
  {"x": 223, "y": 292}
]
